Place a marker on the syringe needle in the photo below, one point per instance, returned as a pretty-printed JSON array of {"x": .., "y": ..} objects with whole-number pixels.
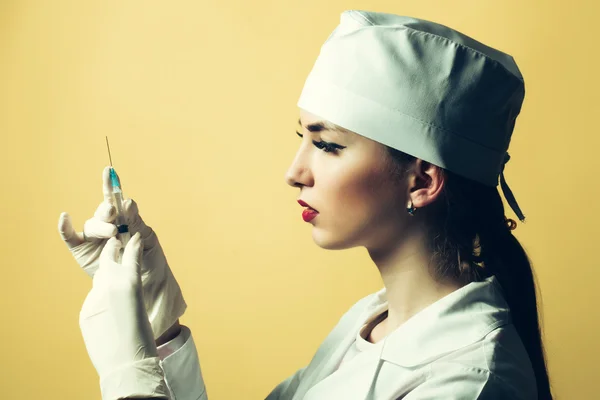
[
  {"x": 117, "y": 198},
  {"x": 109, "y": 157}
]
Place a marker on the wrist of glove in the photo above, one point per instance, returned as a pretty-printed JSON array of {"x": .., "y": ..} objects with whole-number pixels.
[
  {"x": 116, "y": 329},
  {"x": 163, "y": 300},
  {"x": 141, "y": 379}
]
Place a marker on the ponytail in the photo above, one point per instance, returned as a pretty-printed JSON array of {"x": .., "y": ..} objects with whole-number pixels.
[{"x": 503, "y": 256}]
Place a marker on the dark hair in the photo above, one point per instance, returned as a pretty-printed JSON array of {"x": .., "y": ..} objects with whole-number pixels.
[{"x": 471, "y": 240}]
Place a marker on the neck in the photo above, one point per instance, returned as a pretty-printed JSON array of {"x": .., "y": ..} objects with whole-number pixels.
[{"x": 409, "y": 282}]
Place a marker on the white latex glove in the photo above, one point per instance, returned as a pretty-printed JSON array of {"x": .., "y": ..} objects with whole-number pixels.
[
  {"x": 162, "y": 295},
  {"x": 116, "y": 329}
]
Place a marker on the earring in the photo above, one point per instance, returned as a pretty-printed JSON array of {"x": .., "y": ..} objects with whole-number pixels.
[{"x": 411, "y": 209}]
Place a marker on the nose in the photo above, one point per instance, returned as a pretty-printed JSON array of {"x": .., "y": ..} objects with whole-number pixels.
[{"x": 299, "y": 174}]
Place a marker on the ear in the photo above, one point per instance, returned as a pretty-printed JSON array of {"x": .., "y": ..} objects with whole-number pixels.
[{"x": 426, "y": 182}]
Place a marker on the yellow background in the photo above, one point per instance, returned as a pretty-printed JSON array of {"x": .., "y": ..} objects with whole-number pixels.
[{"x": 198, "y": 99}]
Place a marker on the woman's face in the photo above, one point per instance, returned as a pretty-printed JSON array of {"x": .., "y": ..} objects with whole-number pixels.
[{"x": 357, "y": 202}]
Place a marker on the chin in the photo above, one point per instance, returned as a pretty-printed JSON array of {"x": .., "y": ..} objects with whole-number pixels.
[{"x": 329, "y": 242}]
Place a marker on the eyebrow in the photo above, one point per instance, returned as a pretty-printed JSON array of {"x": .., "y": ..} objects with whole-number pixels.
[{"x": 319, "y": 126}]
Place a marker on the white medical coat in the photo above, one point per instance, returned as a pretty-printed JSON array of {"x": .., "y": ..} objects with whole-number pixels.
[{"x": 463, "y": 346}]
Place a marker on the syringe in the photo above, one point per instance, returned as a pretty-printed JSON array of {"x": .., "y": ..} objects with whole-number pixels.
[{"x": 117, "y": 196}]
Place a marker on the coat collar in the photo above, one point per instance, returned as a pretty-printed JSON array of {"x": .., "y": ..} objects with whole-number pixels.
[{"x": 456, "y": 320}]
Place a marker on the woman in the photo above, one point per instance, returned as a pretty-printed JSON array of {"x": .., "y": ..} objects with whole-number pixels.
[{"x": 405, "y": 125}]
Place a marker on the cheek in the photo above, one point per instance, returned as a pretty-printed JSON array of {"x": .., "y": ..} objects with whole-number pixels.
[{"x": 360, "y": 196}]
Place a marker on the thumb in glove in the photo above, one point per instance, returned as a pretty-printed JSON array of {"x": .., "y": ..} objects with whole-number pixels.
[{"x": 116, "y": 329}]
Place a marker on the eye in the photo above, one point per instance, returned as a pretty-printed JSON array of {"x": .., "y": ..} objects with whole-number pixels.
[{"x": 327, "y": 147}]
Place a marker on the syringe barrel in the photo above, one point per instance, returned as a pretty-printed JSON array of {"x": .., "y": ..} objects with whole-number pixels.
[
  {"x": 120, "y": 221},
  {"x": 120, "y": 218},
  {"x": 118, "y": 200}
]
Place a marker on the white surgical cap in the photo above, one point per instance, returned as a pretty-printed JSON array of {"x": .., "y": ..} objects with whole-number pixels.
[{"x": 421, "y": 88}]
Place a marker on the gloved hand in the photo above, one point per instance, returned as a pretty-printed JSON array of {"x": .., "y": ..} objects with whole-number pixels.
[
  {"x": 116, "y": 329},
  {"x": 162, "y": 295}
]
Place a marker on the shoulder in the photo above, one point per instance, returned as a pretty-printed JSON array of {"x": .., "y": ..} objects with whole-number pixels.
[
  {"x": 497, "y": 366},
  {"x": 456, "y": 381}
]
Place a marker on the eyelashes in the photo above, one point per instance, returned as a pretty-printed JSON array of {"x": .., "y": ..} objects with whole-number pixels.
[{"x": 327, "y": 147}]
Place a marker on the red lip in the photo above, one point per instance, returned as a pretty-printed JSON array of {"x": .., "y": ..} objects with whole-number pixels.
[
  {"x": 309, "y": 214},
  {"x": 304, "y": 204}
]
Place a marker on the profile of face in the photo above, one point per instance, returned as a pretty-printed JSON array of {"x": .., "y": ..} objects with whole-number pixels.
[{"x": 344, "y": 176}]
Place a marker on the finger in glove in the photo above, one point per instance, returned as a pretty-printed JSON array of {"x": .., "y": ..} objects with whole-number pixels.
[
  {"x": 66, "y": 231},
  {"x": 106, "y": 211},
  {"x": 97, "y": 229}
]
